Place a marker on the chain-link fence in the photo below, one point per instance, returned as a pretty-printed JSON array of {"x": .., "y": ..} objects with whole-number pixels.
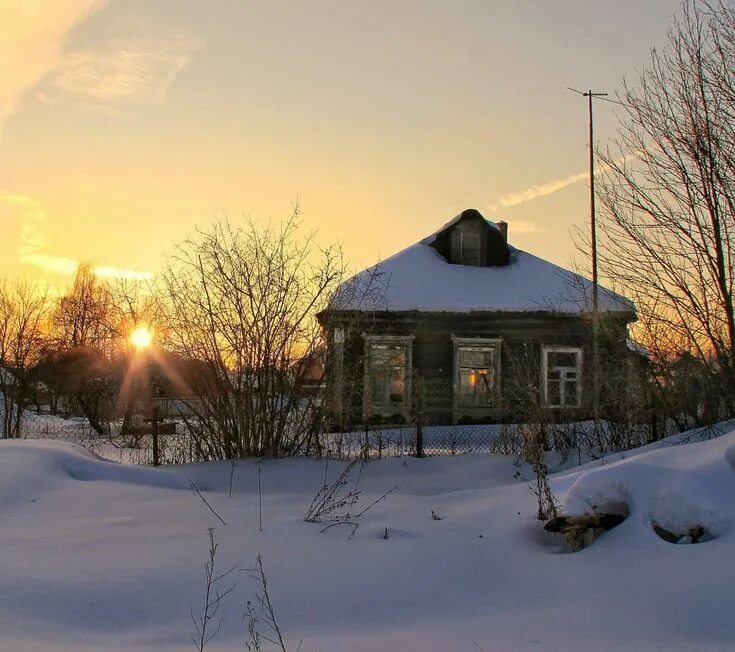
[
  {"x": 174, "y": 443},
  {"x": 422, "y": 441}
]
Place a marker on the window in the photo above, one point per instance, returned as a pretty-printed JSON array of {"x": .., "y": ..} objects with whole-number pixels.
[
  {"x": 467, "y": 246},
  {"x": 470, "y": 247},
  {"x": 476, "y": 371},
  {"x": 387, "y": 371},
  {"x": 562, "y": 368}
]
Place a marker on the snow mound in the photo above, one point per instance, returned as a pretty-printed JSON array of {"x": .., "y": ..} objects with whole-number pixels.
[
  {"x": 679, "y": 488},
  {"x": 38, "y": 465}
]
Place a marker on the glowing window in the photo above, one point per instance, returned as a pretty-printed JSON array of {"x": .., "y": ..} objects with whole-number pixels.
[
  {"x": 476, "y": 372},
  {"x": 388, "y": 370}
]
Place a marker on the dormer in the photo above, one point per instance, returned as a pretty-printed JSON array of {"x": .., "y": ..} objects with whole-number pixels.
[{"x": 470, "y": 239}]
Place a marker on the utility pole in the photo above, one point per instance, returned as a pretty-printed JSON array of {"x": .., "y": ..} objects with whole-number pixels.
[{"x": 593, "y": 245}]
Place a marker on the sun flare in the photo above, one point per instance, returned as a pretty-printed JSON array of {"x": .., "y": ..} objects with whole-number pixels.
[{"x": 141, "y": 338}]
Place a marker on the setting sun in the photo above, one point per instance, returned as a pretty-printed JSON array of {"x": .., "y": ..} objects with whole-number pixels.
[{"x": 142, "y": 337}]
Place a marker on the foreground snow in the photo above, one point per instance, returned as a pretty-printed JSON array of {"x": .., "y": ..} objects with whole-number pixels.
[{"x": 97, "y": 555}]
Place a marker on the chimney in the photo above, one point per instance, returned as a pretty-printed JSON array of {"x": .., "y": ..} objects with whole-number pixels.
[{"x": 503, "y": 228}]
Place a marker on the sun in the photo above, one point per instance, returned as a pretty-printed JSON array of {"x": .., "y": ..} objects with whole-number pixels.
[{"x": 142, "y": 337}]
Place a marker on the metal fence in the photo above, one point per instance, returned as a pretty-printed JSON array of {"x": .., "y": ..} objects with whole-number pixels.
[
  {"x": 421, "y": 441},
  {"x": 370, "y": 442}
]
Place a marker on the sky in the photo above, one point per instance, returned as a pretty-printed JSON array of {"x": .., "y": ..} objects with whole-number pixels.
[{"x": 125, "y": 124}]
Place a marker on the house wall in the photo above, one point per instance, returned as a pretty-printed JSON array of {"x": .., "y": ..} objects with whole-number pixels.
[{"x": 522, "y": 336}]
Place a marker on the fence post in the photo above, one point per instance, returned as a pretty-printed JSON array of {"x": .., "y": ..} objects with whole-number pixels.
[
  {"x": 154, "y": 433},
  {"x": 419, "y": 438},
  {"x": 418, "y": 401}
]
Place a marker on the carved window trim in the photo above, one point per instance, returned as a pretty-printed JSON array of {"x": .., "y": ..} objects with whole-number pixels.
[
  {"x": 567, "y": 374},
  {"x": 481, "y": 343},
  {"x": 370, "y": 406}
]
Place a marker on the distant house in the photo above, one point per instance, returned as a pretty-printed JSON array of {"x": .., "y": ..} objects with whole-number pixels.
[
  {"x": 463, "y": 327},
  {"x": 308, "y": 374}
]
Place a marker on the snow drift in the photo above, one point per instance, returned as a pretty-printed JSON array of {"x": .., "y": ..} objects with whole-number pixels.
[{"x": 106, "y": 556}]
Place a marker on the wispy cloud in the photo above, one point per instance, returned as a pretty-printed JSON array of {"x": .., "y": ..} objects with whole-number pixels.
[
  {"x": 515, "y": 198},
  {"x": 31, "y": 40},
  {"x": 33, "y": 244},
  {"x": 550, "y": 187},
  {"x": 138, "y": 70}
]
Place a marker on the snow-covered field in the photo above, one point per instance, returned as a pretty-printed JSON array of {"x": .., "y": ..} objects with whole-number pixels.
[{"x": 104, "y": 556}]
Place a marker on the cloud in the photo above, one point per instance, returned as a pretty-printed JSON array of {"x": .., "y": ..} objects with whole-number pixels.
[
  {"x": 137, "y": 70},
  {"x": 515, "y": 198},
  {"x": 53, "y": 264},
  {"x": 33, "y": 243},
  {"x": 31, "y": 41}
]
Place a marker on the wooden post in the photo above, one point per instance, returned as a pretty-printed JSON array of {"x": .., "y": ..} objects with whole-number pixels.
[
  {"x": 418, "y": 389},
  {"x": 154, "y": 433},
  {"x": 595, "y": 289},
  {"x": 590, "y": 95}
]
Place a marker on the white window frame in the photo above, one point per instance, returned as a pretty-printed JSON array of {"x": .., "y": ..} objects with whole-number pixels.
[
  {"x": 369, "y": 405},
  {"x": 545, "y": 351},
  {"x": 493, "y": 343},
  {"x": 335, "y": 377}
]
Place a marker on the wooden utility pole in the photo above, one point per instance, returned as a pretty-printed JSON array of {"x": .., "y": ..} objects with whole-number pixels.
[{"x": 593, "y": 246}]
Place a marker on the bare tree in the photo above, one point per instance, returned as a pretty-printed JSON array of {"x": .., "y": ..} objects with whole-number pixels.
[
  {"x": 77, "y": 358},
  {"x": 83, "y": 375},
  {"x": 668, "y": 193},
  {"x": 87, "y": 355},
  {"x": 243, "y": 300},
  {"x": 23, "y": 311},
  {"x": 83, "y": 316}
]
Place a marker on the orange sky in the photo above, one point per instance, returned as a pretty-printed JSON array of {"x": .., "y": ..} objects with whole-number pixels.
[{"x": 123, "y": 124}]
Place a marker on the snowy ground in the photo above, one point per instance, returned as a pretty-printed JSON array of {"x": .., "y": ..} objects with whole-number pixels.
[{"x": 103, "y": 556}]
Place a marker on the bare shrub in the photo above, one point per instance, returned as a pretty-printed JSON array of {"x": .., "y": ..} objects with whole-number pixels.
[
  {"x": 332, "y": 498},
  {"x": 207, "y": 623},
  {"x": 260, "y": 616},
  {"x": 330, "y": 501},
  {"x": 242, "y": 301}
]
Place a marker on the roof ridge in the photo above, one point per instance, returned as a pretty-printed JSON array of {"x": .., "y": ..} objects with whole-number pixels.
[{"x": 429, "y": 239}]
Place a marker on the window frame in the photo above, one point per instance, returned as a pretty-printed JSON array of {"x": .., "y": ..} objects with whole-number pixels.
[
  {"x": 486, "y": 343},
  {"x": 464, "y": 237},
  {"x": 460, "y": 235},
  {"x": 563, "y": 404},
  {"x": 370, "y": 407}
]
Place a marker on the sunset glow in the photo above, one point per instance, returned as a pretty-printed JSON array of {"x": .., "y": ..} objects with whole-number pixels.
[
  {"x": 382, "y": 124},
  {"x": 141, "y": 338},
  {"x": 368, "y": 324}
]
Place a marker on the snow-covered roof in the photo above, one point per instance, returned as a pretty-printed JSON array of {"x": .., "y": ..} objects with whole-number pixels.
[{"x": 419, "y": 278}]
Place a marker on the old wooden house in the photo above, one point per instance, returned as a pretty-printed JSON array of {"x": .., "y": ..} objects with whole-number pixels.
[{"x": 463, "y": 327}]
